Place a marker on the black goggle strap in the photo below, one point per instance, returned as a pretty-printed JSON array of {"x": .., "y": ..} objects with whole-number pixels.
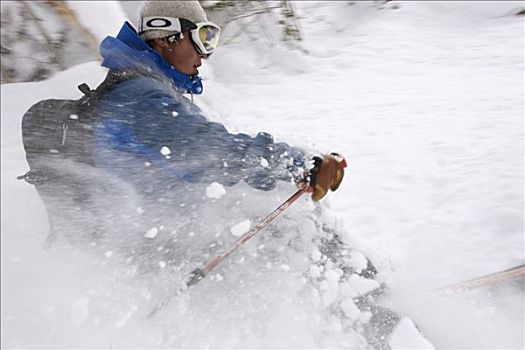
[{"x": 175, "y": 37}]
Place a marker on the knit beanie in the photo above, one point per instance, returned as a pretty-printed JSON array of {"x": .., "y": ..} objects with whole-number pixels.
[{"x": 190, "y": 10}]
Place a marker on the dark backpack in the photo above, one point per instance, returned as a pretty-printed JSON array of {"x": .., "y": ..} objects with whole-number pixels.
[
  {"x": 58, "y": 141},
  {"x": 54, "y": 130}
]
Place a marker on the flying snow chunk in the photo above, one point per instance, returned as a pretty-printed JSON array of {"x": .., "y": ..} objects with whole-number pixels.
[
  {"x": 165, "y": 151},
  {"x": 330, "y": 287},
  {"x": 358, "y": 261},
  {"x": 173, "y": 113},
  {"x": 241, "y": 228},
  {"x": 357, "y": 285},
  {"x": 152, "y": 232},
  {"x": 350, "y": 309},
  {"x": 315, "y": 254},
  {"x": 406, "y": 336},
  {"x": 215, "y": 190},
  {"x": 109, "y": 253},
  {"x": 73, "y": 116},
  {"x": 362, "y": 285},
  {"x": 264, "y": 163},
  {"x": 365, "y": 317}
]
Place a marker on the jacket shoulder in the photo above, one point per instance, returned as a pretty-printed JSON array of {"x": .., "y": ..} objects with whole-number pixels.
[{"x": 143, "y": 86}]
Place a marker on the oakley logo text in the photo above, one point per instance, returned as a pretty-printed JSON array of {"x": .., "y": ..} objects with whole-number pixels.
[{"x": 158, "y": 23}]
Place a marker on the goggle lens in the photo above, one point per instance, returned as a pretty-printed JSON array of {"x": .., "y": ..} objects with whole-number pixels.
[{"x": 208, "y": 37}]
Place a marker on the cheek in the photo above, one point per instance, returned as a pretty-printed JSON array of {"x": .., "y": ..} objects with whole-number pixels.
[
  {"x": 184, "y": 57},
  {"x": 182, "y": 60},
  {"x": 190, "y": 53},
  {"x": 189, "y": 57}
]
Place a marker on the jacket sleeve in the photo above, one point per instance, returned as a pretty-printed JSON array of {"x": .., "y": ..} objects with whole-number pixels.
[{"x": 164, "y": 132}]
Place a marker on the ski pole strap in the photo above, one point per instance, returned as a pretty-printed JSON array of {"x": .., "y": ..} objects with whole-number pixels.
[{"x": 312, "y": 174}]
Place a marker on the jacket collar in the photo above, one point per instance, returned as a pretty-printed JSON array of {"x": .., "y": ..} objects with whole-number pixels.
[{"x": 129, "y": 52}]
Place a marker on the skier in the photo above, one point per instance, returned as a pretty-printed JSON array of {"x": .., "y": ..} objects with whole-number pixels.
[{"x": 146, "y": 140}]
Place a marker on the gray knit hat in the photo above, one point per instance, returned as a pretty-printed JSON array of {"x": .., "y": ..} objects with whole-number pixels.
[{"x": 190, "y": 10}]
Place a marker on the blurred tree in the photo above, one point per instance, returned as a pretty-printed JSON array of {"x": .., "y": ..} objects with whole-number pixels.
[
  {"x": 290, "y": 24},
  {"x": 40, "y": 38}
]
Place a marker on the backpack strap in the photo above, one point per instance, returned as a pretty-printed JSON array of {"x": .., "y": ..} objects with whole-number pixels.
[
  {"x": 113, "y": 78},
  {"x": 35, "y": 177},
  {"x": 85, "y": 89}
]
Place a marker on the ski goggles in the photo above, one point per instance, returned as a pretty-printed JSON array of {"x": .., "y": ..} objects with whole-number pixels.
[{"x": 205, "y": 35}]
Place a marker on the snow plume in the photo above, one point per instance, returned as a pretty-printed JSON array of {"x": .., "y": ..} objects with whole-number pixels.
[
  {"x": 262, "y": 296},
  {"x": 110, "y": 264}
]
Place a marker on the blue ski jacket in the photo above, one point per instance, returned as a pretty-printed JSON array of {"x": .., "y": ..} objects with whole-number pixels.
[{"x": 149, "y": 134}]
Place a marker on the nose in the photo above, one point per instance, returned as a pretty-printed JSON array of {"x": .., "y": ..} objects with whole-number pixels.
[{"x": 198, "y": 61}]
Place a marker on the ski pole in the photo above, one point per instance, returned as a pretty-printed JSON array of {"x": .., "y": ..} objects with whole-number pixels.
[
  {"x": 198, "y": 274},
  {"x": 490, "y": 279}
]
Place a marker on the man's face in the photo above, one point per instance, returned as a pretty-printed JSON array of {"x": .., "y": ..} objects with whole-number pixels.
[{"x": 183, "y": 56}]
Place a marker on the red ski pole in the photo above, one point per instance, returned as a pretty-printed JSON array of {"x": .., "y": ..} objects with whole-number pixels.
[{"x": 198, "y": 274}]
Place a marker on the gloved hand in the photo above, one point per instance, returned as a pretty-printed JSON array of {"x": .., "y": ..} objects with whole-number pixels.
[{"x": 327, "y": 173}]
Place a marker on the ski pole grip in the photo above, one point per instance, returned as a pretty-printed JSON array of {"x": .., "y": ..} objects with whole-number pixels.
[{"x": 195, "y": 277}]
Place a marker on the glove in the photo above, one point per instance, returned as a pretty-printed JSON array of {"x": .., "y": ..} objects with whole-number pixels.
[{"x": 327, "y": 173}]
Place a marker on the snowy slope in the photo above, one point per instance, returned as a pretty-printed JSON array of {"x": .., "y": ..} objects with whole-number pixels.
[
  {"x": 419, "y": 92},
  {"x": 427, "y": 104}
]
